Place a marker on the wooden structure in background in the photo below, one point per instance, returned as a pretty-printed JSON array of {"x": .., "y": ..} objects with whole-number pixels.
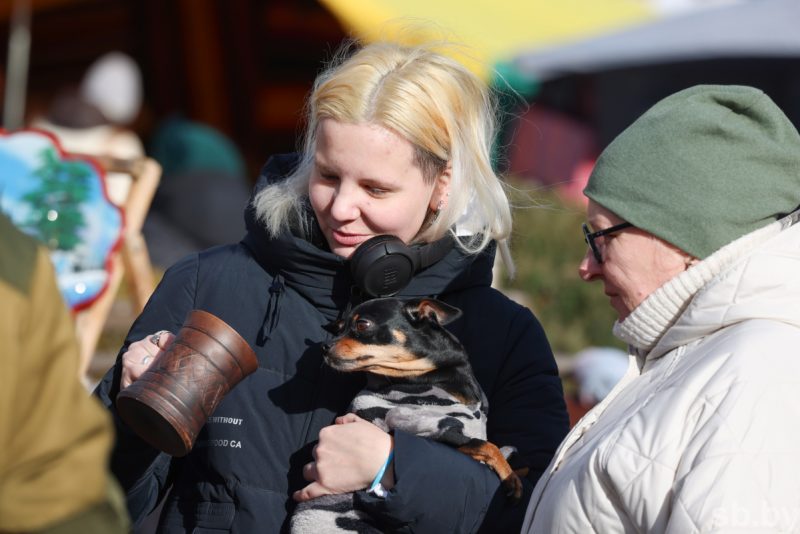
[
  {"x": 131, "y": 260},
  {"x": 242, "y": 66}
]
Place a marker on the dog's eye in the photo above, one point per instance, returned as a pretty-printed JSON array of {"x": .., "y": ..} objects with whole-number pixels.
[{"x": 362, "y": 325}]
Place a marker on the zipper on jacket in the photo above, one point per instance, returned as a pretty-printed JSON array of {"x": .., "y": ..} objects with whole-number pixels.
[{"x": 273, "y": 314}]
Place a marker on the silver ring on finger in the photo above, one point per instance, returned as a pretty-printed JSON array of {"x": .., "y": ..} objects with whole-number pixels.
[
  {"x": 146, "y": 359},
  {"x": 155, "y": 338}
]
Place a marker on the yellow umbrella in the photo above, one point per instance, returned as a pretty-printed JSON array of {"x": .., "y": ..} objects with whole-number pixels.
[{"x": 492, "y": 31}]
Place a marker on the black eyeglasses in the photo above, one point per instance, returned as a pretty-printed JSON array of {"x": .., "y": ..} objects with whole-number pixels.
[{"x": 591, "y": 236}]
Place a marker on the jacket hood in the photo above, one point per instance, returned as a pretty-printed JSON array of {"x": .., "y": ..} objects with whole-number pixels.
[
  {"x": 324, "y": 278},
  {"x": 755, "y": 277}
]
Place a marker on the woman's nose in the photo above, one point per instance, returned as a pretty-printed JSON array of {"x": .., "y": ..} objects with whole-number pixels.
[
  {"x": 344, "y": 206},
  {"x": 589, "y": 269}
]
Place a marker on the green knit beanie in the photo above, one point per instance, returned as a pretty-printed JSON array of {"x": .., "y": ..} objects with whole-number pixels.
[{"x": 702, "y": 168}]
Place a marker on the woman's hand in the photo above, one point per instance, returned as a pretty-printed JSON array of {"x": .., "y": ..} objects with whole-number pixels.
[
  {"x": 348, "y": 456},
  {"x": 140, "y": 355}
]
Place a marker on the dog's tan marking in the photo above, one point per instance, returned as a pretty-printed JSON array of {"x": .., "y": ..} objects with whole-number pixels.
[
  {"x": 488, "y": 453},
  {"x": 415, "y": 368},
  {"x": 460, "y": 398},
  {"x": 389, "y": 360},
  {"x": 347, "y": 349},
  {"x": 399, "y": 336}
]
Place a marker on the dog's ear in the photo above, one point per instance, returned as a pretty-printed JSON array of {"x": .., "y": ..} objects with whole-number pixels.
[
  {"x": 335, "y": 327},
  {"x": 431, "y": 309}
]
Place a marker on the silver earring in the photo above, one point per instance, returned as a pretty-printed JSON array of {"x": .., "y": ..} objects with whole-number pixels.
[
  {"x": 435, "y": 214},
  {"x": 438, "y": 211}
]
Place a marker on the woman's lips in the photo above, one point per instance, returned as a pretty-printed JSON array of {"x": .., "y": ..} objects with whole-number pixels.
[{"x": 348, "y": 240}]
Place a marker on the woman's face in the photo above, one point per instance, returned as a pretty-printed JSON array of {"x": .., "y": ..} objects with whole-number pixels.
[
  {"x": 635, "y": 262},
  {"x": 365, "y": 183}
]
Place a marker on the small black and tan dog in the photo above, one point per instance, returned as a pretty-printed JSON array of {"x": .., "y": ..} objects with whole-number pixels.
[{"x": 419, "y": 380}]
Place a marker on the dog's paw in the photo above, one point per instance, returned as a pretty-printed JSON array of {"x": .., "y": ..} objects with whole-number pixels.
[{"x": 513, "y": 487}]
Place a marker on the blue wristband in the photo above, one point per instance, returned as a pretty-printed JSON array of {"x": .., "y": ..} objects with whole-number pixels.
[{"x": 376, "y": 486}]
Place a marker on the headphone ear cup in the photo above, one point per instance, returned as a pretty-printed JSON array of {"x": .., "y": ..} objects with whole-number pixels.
[{"x": 382, "y": 265}]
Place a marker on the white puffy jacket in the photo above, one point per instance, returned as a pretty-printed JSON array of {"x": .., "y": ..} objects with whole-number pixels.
[{"x": 703, "y": 432}]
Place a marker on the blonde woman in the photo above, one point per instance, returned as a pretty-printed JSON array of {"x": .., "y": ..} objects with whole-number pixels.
[{"x": 397, "y": 144}]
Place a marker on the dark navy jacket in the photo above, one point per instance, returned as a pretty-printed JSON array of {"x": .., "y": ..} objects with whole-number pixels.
[{"x": 278, "y": 294}]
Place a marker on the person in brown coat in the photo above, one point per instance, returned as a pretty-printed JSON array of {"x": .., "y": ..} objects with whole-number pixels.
[{"x": 55, "y": 439}]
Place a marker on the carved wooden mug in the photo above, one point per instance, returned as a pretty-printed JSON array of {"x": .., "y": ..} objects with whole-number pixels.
[{"x": 169, "y": 404}]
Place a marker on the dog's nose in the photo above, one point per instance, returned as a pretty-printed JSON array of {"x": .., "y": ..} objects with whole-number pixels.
[{"x": 326, "y": 348}]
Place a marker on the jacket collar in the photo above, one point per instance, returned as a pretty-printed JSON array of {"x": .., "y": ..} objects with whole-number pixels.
[{"x": 719, "y": 291}]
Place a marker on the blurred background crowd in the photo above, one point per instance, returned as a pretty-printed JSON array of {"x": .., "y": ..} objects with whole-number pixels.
[{"x": 210, "y": 88}]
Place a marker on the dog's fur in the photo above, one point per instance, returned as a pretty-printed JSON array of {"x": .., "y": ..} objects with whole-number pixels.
[{"x": 419, "y": 380}]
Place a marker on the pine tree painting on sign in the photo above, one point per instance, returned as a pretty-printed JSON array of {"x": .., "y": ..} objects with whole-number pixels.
[{"x": 62, "y": 201}]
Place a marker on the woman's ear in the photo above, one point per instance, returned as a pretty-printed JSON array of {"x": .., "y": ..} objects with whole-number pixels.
[{"x": 441, "y": 191}]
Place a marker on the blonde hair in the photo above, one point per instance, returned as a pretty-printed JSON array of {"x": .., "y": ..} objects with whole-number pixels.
[{"x": 445, "y": 111}]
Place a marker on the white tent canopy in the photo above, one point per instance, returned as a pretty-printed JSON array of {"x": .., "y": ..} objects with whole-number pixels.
[{"x": 756, "y": 28}]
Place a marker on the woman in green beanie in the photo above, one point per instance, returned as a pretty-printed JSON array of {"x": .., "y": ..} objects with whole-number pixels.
[{"x": 693, "y": 231}]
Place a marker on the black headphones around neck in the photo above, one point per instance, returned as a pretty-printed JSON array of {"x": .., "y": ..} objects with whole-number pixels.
[{"x": 383, "y": 265}]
